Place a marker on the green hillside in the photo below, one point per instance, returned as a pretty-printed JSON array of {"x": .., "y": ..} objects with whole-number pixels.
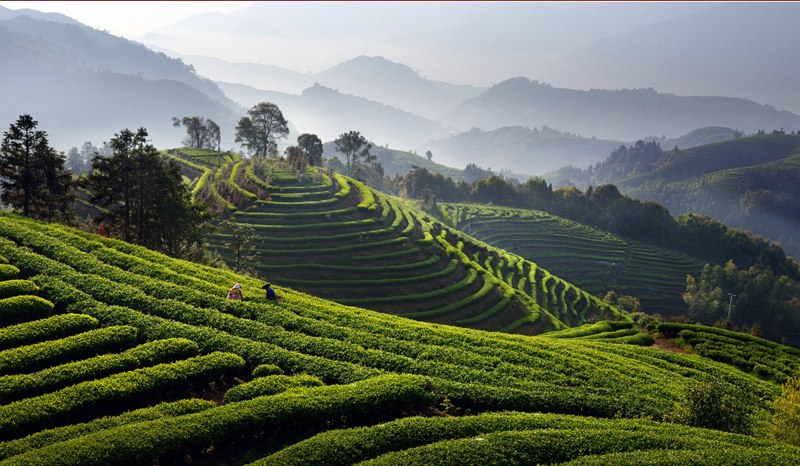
[
  {"x": 337, "y": 239},
  {"x": 700, "y": 137},
  {"x": 592, "y": 259},
  {"x": 398, "y": 162},
  {"x": 749, "y": 183},
  {"x": 113, "y": 354},
  {"x": 707, "y": 159}
]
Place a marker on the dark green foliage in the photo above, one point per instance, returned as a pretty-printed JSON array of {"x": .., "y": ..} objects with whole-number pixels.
[
  {"x": 59, "y": 326},
  {"x": 8, "y": 272},
  {"x": 270, "y": 385},
  {"x": 760, "y": 297},
  {"x": 25, "y": 416},
  {"x": 715, "y": 404},
  {"x": 351, "y": 446},
  {"x": 748, "y": 352},
  {"x": 610, "y": 210},
  {"x": 264, "y": 370},
  {"x": 355, "y": 149},
  {"x": 60, "y": 434},
  {"x": 121, "y": 284},
  {"x": 147, "y": 201},
  {"x": 312, "y": 148},
  {"x": 24, "y": 306},
  {"x": 49, "y": 353},
  {"x": 556, "y": 446},
  {"x": 262, "y": 128},
  {"x": 10, "y": 288},
  {"x": 590, "y": 329},
  {"x": 33, "y": 179},
  {"x": 145, "y": 442},
  {"x": 13, "y": 387}
]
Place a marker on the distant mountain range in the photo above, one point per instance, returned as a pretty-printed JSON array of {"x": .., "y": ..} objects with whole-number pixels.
[
  {"x": 83, "y": 84},
  {"x": 520, "y": 149},
  {"x": 622, "y": 114},
  {"x": 374, "y": 78},
  {"x": 328, "y": 113},
  {"x": 744, "y": 49}
]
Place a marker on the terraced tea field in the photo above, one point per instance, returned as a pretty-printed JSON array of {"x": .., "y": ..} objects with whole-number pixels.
[
  {"x": 337, "y": 239},
  {"x": 96, "y": 334},
  {"x": 727, "y": 186},
  {"x": 594, "y": 260}
]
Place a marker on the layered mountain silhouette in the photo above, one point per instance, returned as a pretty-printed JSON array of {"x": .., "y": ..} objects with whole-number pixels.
[
  {"x": 84, "y": 84},
  {"x": 328, "y": 113},
  {"x": 374, "y": 78},
  {"x": 626, "y": 114},
  {"x": 745, "y": 49}
]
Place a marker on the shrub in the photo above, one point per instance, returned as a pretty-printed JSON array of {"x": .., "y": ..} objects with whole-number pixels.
[
  {"x": 264, "y": 370},
  {"x": 11, "y": 288},
  {"x": 270, "y": 385},
  {"x": 8, "y": 272},
  {"x": 144, "y": 443},
  {"x": 49, "y": 353},
  {"x": 59, "y": 326},
  {"x": 24, "y": 306},
  {"x": 715, "y": 404},
  {"x": 61, "y": 434},
  {"x": 785, "y": 423},
  {"x": 13, "y": 387},
  {"x": 21, "y": 417}
]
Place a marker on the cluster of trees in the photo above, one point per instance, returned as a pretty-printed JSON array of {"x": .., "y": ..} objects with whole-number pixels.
[
  {"x": 33, "y": 177},
  {"x": 767, "y": 202},
  {"x": 145, "y": 199},
  {"x": 623, "y": 162},
  {"x": 79, "y": 161},
  {"x": 608, "y": 209},
  {"x": 754, "y": 295}
]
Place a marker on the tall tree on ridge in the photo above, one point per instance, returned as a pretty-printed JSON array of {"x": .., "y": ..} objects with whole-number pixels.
[
  {"x": 355, "y": 148},
  {"x": 260, "y": 131},
  {"x": 32, "y": 174},
  {"x": 312, "y": 148}
]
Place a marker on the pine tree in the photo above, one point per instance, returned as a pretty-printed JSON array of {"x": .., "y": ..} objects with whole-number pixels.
[{"x": 33, "y": 177}]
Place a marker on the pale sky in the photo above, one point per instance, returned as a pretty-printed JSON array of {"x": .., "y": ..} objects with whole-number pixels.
[{"x": 128, "y": 19}]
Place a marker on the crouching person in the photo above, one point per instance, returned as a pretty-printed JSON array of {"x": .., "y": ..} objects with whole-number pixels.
[
  {"x": 236, "y": 293},
  {"x": 271, "y": 293}
]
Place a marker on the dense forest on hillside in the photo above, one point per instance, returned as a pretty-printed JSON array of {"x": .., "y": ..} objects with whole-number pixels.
[
  {"x": 749, "y": 183},
  {"x": 608, "y": 209}
]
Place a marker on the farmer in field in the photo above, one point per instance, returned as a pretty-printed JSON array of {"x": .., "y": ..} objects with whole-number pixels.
[
  {"x": 236, "y": 293},
  {"x": 271, "y": 293}
]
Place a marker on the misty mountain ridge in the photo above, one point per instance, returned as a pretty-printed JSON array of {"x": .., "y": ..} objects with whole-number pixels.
[
  {"x": 82, "y": 84},
  {"x": 374, "y": 78},
  {"x": 395, "y": 84},
  {"x": 492, "y": 39},
  {"x": 100, "y": 50},
  {"x": 626, "y": 114},
  {"x": 520, "y": 149},
  {"x": 745, "y": 49},
  {"x": 328, "y": 113},
  {"x": 7, "y": 13}
]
